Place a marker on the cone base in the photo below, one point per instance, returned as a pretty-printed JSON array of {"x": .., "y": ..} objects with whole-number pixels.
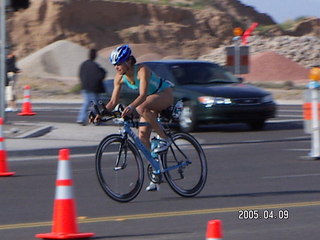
[
  {"x": 64, "y": 235},
  {"x": 26, "y": 114},
  {"x": 5, "y": 174}
]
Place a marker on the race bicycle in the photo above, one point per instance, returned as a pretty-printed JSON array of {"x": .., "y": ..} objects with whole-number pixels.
[{"x": 120, "y": 168}]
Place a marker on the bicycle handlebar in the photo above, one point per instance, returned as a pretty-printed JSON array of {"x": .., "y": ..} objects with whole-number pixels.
[{"x": 106, "y": 115}]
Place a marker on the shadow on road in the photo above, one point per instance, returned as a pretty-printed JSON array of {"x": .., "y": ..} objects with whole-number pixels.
[
  {"x": 239, "y": 127},
  {"x": 262, "y": 194}
]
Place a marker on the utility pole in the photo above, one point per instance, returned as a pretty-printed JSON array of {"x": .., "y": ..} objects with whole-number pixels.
[{"x": 2, "y": 56}]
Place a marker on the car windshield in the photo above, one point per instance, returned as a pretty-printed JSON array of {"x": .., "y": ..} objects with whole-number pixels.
[{"x": 201, "y": 73}]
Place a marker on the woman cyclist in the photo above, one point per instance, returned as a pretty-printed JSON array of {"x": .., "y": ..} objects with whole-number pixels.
[{"x": 155, "y": 95}]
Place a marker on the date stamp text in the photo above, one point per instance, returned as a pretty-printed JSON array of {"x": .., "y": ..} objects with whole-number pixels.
[{"x": 255, "y": 214}]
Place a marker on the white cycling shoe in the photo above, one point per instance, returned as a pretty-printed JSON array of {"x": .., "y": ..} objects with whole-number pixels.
[{"x": 153, "y": 187}]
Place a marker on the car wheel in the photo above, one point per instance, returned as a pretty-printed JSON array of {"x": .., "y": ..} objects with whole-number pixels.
[
  {"x": 187, "y": 120},
  {"x": 257, "y": 125}
]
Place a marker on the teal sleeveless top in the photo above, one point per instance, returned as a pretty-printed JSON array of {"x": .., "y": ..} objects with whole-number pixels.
[{"x": 156, "y": 84}]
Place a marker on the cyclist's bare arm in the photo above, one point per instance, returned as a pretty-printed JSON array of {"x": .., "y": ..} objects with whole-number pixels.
[
  {"x": 113, "y": 101},
  {"x": 115, "y": 93},
  {"x": 143, "y": 75}
]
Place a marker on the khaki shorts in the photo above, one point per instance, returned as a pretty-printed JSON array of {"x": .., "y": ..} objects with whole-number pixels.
[
  {"x": 10, "y": 96},
  {"x": 10, "y": 89}
]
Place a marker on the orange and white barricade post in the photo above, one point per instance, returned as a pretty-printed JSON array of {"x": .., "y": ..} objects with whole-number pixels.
[
  {"x": 311, "y": 112},
  {"x": 3, "y": 154},
  {"x": 237, "y": 61},
  {"x": 26, "y": 106},
  {"x": 64, "y": 212},
  {"x": 214, "y": 230}
]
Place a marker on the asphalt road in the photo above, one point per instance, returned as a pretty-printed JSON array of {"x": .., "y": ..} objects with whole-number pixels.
[{"x": 250, "y": 172}]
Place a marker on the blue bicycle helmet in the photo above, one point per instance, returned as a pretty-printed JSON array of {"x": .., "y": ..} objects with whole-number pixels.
[{"x": 120, "y": 54}]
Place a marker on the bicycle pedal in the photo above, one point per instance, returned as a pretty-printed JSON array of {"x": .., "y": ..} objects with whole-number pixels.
[{"x": 157, "y": 181}]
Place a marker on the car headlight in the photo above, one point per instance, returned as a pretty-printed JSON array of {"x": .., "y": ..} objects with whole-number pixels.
[
  {"x": 267, "y": 98},
  {"x": 209, "y": 101}
]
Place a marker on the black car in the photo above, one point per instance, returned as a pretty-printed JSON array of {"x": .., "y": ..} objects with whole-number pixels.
[{"x": 211, "y": 94}]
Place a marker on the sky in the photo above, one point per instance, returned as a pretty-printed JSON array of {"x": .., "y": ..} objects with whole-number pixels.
[{"x": 282, "y": 10}]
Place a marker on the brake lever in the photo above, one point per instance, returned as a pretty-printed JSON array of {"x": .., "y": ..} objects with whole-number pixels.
[{"x": 96, "y": 109}]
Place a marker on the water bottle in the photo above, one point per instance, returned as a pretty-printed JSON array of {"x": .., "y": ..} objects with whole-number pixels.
[
  {"x": 177, "y": 109},
  {"x": 154, "y": 144}
]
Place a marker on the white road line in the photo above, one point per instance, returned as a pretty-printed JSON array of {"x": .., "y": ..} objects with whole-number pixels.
[
  {"x": 291, "y": 116},
  {"x": 293, "y": 176},
  {"x": 290, "y": 110},
  {"x": 39, "y": 158},
  {"x": 298, "y": 149},
  {"x": 284, "y": 120}
]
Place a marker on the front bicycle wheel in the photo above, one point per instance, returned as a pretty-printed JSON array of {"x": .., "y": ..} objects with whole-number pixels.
[
  {"x": 189, "y": 179},
  {"x": 119, "y": 168}
]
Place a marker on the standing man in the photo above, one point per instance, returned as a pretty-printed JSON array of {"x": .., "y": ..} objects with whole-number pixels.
[
  {"x": 11, "y": 79},
  {"x": 91, "y": 79}
]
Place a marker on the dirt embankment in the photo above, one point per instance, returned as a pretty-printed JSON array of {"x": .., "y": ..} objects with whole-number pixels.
[{"x": 182, "y": 31}]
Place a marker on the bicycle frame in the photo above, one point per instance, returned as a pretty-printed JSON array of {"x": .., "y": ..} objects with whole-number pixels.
[{"x": 156, "y": 165}]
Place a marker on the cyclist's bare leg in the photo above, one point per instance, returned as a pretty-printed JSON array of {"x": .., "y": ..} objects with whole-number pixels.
[
  {"x": 145, "y": 132},
  {"x": 144, "y": 135},
  {"x": 148, "y": 112},
  {"x": 154, "y": 104}
]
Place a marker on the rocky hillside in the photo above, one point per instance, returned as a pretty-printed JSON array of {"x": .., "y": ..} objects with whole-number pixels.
[
  {"x": 304, "y": 50},
  {"x": 182, "y": 31}
]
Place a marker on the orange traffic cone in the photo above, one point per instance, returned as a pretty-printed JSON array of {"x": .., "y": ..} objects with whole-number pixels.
[
  {"x": 64, "y": 212},
  {"x": 214, "y": 230},
  {"x": 3, "y": 155},
  {"x": 26, "y": 106}
]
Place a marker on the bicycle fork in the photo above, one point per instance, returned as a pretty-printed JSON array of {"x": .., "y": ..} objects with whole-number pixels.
[{"x": 123, "y": 151}]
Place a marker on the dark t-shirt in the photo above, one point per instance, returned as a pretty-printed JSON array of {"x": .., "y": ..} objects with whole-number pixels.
[
  {"x": 91, "y": 76},
  {"x": 11, "y": 67}
]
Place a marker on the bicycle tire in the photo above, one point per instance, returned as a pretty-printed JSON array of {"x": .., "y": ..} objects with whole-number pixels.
[
  {"x": 124, "y": 183},
  {"x": 187, "y": 181}
]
